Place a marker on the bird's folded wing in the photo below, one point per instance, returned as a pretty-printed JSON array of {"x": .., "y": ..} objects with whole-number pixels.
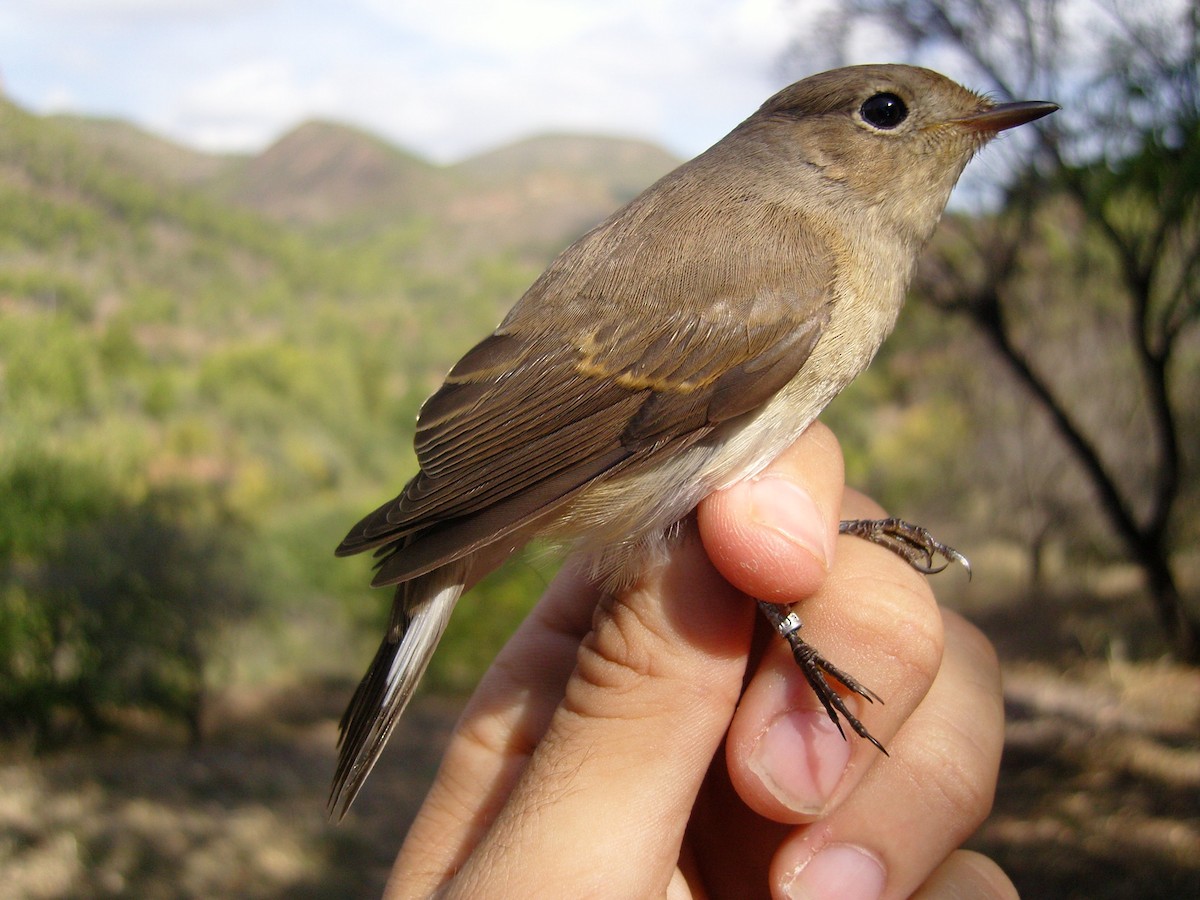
[{"x": 526, "y": 420}]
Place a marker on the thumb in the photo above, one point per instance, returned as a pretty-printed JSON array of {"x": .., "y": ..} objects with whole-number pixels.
[{"x": 602, "y": 805}]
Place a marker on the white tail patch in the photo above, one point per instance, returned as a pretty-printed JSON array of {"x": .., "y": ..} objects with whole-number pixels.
[{"x": 424, "y": 608}]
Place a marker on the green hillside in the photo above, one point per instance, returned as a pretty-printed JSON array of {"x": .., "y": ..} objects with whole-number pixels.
[
  {"x": 237, "y": 347},
  {"x": 323, "y": 174}
]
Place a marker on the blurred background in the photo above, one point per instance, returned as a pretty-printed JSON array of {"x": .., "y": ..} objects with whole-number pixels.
[{"x": 240, "y": 243}]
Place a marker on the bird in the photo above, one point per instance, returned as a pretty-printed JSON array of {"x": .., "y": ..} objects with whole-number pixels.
[{"x": 673, "y": 350}]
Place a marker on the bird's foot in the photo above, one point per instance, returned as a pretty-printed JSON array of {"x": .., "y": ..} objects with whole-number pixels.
[
  {"x": 912, "y": 543},
  {"x": 815, "y": 668}
]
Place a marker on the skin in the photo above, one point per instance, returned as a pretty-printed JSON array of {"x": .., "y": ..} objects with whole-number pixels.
[{"x": 657, "y": 744}]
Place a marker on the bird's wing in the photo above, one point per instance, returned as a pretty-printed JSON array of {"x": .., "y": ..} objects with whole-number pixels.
[{"x": 525, "y": 420}]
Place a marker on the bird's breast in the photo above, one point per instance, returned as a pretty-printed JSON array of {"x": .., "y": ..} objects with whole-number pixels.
[{"x": 622, "y": 522}]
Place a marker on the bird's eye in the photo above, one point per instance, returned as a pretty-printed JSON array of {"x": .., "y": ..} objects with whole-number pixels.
[{"x": 884, "y": 110}]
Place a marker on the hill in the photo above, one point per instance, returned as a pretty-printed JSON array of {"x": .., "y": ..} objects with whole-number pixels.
[
  {"x": 330, "y": 179},
  {"x": 138, "y": 150},
  {"x": 532, "y": 197},
  {"x": 323, "y": 173},
  {"x": 539, "y": 190}
]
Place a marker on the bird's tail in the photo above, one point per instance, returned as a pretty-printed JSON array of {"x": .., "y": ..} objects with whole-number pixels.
[{"x": 419, "y": 616}]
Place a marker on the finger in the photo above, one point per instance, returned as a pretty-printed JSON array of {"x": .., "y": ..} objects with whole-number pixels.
[
  {"x": 967, "y": 874},
  {"x": 510, "y": 710},
  {"x": 501, "y": 725},
  {"x": 654, "y": 686},
  {"x": 875, "y": 618},
  {"x": 773, "y": 536},
  {"x": 912, "y": 810}
]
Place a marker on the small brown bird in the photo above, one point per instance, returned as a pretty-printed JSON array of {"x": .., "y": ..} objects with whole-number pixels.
[{"x": 673, "y": 350}]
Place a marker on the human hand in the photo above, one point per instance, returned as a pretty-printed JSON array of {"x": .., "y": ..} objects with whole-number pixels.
[{"x": 606, "y": 752}]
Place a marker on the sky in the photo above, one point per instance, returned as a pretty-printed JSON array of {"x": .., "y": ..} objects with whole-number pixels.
[{"x": 444, "y": 78}]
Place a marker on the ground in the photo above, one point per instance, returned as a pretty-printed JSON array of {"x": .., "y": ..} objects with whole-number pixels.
[{"x": 1099, "y": 794}]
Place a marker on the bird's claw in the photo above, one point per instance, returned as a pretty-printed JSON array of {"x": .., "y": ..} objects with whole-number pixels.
[
  {"x": 912, "y": 543},
  {"x": 815, "y": 668}
]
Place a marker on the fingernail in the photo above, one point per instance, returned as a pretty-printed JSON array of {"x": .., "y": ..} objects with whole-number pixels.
[
  {"x": 800, "y": 758},
  {"x": 787, "y": 509},
  {"x": 841, "y": 871}
]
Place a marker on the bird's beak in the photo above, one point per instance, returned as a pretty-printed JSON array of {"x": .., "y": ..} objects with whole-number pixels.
[{"x": 1006, "y": 115}]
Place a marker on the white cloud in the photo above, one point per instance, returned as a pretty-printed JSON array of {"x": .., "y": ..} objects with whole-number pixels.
[
  {"x": 447, "y": 78},
  {"x": 243, "y": 106},
  {"x": 118, "y": 9},
  {"x": 680, "y": 72},
  {"x": 512, "y": 27}
]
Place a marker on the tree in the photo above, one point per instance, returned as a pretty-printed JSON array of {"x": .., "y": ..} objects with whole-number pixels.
[
  {"x": 1114, "y": 369},
  {"x": 109, "y": 603}
]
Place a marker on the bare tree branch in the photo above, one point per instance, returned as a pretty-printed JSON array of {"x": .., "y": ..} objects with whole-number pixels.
[{"x": 1127, "y": 152}]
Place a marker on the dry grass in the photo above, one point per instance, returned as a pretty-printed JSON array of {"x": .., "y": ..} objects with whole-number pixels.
[
  {"x": 242, "y": 816},
  {"x": 1099, "y": 794}
]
